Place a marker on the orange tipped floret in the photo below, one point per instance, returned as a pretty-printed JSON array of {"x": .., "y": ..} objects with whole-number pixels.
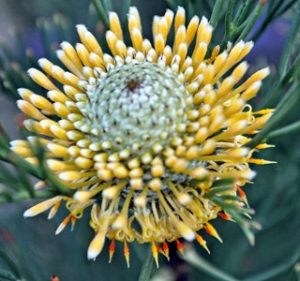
[
  {"x": 179, "y": 246},
  {"x": 166, "y": 250},
  {"x": 63, "y": 224},
  {"x": 112, "y": 248},
  {"x": 261, "y": 161},
  {"x": 126, "y": 254},
  {"x": 264, "y": 146},
  {"x": 155, "y": 249},
  {"x": 202, "y": 242},
  {"x": 73, "y": 221},
  {"x": 54, "y": 278},
  {"x": 212, "y": 231},
  {"x": 243, "y": 195},
  {"x": 54, "y": 210},
  {"x": 225, "y": 216}
]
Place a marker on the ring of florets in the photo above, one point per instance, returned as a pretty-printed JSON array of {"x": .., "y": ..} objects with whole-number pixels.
[{"x": 137, "y": 107}]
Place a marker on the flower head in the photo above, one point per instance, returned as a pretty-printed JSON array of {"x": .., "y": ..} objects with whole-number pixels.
[{"x": 143, "y": 133}]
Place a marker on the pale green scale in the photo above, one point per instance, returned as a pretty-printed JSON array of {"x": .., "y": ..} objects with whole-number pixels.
[{"x": 137, "y": 103}]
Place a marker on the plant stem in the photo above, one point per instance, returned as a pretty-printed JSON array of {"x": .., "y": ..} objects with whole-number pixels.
[
  {"x": 216, "y": 13},
  {"x": 289, "y": 129},
  {"x": 289, "y": 46},
  {"x": 283, "y": 109},
  {"x": 199, "y": 263},
  {"x": 101, "y": 12},
  {"x": 251, "y": 22},
  {"x": 147, "y": 267}
]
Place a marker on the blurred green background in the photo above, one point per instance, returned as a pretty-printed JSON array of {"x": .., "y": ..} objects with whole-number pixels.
[{"x": 39, "y": 254}]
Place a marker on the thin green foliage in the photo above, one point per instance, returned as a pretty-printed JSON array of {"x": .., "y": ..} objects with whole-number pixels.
[
  {"x": 147, "y": 268},
  {"x": 289, "y": 46},
  {"x": 200, "y": 263},
  {"x": 102, "y": 11}
]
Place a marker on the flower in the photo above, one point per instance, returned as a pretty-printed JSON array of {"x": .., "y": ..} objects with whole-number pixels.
[{"x": 144, "y": 133}]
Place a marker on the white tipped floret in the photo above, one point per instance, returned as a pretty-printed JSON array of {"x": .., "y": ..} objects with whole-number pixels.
[
  {"x": 42, "y": 62},
  {"x": 41, "y": 207},
  {"x": 95, "y": 146},
  {"x": 140, "y": 201},
  {"x": 186, "y": 232},
  {"x": 110, "y": 192},
  {"x": 266, "y": 71},
  {"x": 22, "y": 92},
  {"x": 69, "y": 175},
  {"x": 119, "y": 222},
  {"x": 249, "y": 174},
  {"x": 190, "y": 236},
  {"x": 67, "y": 75},
  {"x": 204, "y": 20},
  {"x": 28, "y": 214},
  {"x": 180, "y": 9},
  {"x": 65, "y": 44},
  {"x": 60, "y": 53},
  {"x": 133, "y": 10},
  {"x": 32, "y": 72},
  {"x": 21, "y": 103},
  {"x": 82, "y": 196},
  {"x": 250, "y": 44},
  {"x": 96, "y": 245},
  {"x": 18, "y": 143},
  {"x": 257, "y": 85},
  {"x": 113, "y": 15},
  {"x": 81, "y": 28},
  {"x": 244, "y": 151},
  {"x": 60, "y": 228},
  {"x": 184, "y": 198},
  {"x": 92, "y": 255}
]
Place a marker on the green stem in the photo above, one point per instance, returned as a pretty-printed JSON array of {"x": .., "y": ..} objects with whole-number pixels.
[
  {"x": 283, "y": 8},
  {"x": 289, "y": 46},
  {"x": 270, "y": 274},
  {"x": 270, "y": 17},
  {"x": 229, "y": 17},
  {"x": 147, "y": 268},
  {"x": 125, "y": 8},
  {"x": 107, "y": 5},
  {"x": 11, "y": 265},
  {"x": 199, "y": 263},
  {"x": 282, "y": 110},
  {"x": 289, "y": 129},
  {"x": 7, "y": 276},
  {"x": 216, "y": 13},
  {"x": 101, "y": 12},
  {"x": 244, "y": 10},
  {"x": 251, "y": 22},
  {"x": 209, "y": 4},
  {"x": 272, "y": 96},
  {"x": 171, "y": 4}
]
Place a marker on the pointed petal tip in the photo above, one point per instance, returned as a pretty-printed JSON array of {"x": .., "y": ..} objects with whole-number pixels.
[
  {"x": 31, "y": 71},
  {"x": 92, "y": 255},
  {"x": 28, "y": 214},
  {"x": 42, "y": 61},
  {"x": 81, "y": 28},
  {"x": 21, "y": 91},
  {"x": 58, "y": 230}
]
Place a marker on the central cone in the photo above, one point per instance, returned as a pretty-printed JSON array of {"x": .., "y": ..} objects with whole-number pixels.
[{"x": 136, "y": 106}]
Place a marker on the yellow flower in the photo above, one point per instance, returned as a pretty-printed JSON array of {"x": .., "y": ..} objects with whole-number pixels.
[{"x": 142, "y": 133}]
